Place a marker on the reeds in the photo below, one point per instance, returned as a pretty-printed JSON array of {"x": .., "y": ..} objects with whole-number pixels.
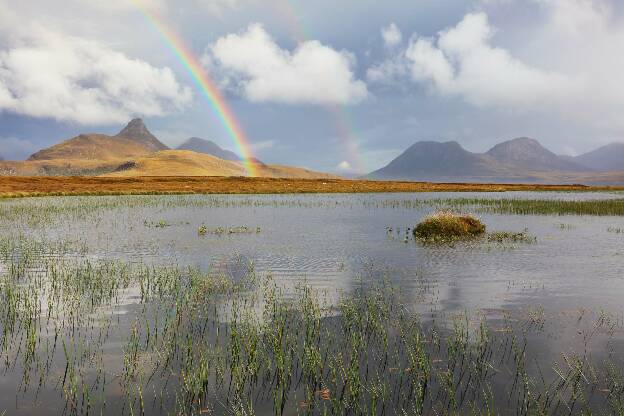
[
  {"x": 105, "y": 336},
  {"x": 198, "y": 342}
]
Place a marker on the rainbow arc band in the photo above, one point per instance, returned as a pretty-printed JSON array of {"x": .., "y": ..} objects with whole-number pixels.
[{"x": 206, "y": 85}]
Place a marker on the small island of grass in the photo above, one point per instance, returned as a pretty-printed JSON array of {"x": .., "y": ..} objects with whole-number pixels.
[{"x": 445, "y": 225}]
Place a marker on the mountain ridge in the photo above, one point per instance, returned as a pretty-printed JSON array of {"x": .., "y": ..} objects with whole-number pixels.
[
  {"x": 134, "y": 151},
  {"x": 609, "y": 157},
  {"x": 517, "y": 160},
  {"x": 426, "y": 159},
  {"x": 529, "y": 154},
  {"x": 133, "y": 140},
  {"x": 208, "y": 147}
]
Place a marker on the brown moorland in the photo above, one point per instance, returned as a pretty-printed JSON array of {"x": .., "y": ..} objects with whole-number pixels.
[
  {"x": 20, "y": 186},
  {"x": 188, "y": 163}
]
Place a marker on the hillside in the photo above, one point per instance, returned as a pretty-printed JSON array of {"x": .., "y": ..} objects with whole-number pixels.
[
  {"x": 134, "y": 151},
  {"x": 520, "y": 160},
  {"x": 208, "y": 147},
  {"x": 133, "y": 140},
  {"x": 427, "y": 160},
  {"x": 605, "y": 158},
  {"x": 529, "y": 155},
  {"x": 92, "y": 147},
  {"x": 189, "y": 163}
]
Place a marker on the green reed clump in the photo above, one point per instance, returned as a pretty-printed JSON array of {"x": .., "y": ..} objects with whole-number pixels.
[
  {"x": 444, "y": 225},
  {"x": 511, "y": 236},
  {"x": 606, "y": 207},
  {"x": 243, "y": 229}
]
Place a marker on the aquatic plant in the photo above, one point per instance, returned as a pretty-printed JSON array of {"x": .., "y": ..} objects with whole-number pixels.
[
  {"x": 511, "y": 236},
  {"x": 447, "y": 225},
  {"x": 604, "y": 207},
  {"x": 191, "y": 342}
]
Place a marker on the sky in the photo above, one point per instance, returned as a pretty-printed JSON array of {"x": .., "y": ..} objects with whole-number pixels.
[{"x": 341, "y": 86}]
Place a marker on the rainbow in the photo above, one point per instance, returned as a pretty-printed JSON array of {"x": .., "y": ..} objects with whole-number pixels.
[
  {"x": 346, "y": 129},
  {"x": 208, "y": 88}
]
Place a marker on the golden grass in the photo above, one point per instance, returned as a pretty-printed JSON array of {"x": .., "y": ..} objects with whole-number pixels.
[
  {"x": 189, "y": 163},
  {"x": 164, "y": 163},
  {"x": 17, "y": 186},
  {"x": 447, "y": 225}
]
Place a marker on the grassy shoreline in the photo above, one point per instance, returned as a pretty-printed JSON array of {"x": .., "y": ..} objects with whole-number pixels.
[{"x": 15, "y": 187}]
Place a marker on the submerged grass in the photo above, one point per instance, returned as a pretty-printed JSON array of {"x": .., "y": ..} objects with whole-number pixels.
[
  {"x": 510, "y": 236},
  {"x": 112, "y": 337},
  {"x": 196, "y": 343}
]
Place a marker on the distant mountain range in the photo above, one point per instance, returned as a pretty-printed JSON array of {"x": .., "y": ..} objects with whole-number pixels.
[
  {"x": 518, "y": 160},
  {"x": 605, "y": 158},
  {"x": 135, "y": 151}
]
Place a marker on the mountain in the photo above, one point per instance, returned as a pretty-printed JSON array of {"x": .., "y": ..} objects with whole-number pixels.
[
  {"x": 134, "y": 140},
  {"x": 529, "y": 155},
  {"x": 136, "y": 130},
  {"x": 92, "y": 147},
  {"x": 517, "y": 160},
  {"x": 427, "y": 160},
  {"x": 605, "y": 158},
  {"x": 208, "y": 147}
]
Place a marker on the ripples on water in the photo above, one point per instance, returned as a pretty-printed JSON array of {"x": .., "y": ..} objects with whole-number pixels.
[{"x": 334, "y": 243}]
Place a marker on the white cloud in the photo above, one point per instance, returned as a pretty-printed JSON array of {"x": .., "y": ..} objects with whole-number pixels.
[
  {"x": 313, "y": 73},
  {"x": 52, "y": 75},
  {"x": 569, "y": 64},
  {"x": 391, "y": 35},
  {"x": 462, "y": 62}
]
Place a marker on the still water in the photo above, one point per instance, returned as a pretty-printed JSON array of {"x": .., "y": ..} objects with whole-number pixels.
[{"x": 338, "y": 243}]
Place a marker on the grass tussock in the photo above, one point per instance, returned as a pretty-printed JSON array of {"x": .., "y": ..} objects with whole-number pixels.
[{"x": 444, "y": 225}]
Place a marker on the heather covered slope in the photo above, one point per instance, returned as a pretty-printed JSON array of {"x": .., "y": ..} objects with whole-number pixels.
[
  {"x": 133, "y": 140},
  {"x": 92, "y": 147}
]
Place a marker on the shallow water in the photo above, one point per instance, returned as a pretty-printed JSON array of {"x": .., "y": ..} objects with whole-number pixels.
[
  {"x": 331, "y": 241},
  {"x": 334, "y": 243}
]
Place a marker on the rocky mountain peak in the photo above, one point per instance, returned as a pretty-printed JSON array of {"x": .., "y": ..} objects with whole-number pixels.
[{"x": 137, "y": 131}]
